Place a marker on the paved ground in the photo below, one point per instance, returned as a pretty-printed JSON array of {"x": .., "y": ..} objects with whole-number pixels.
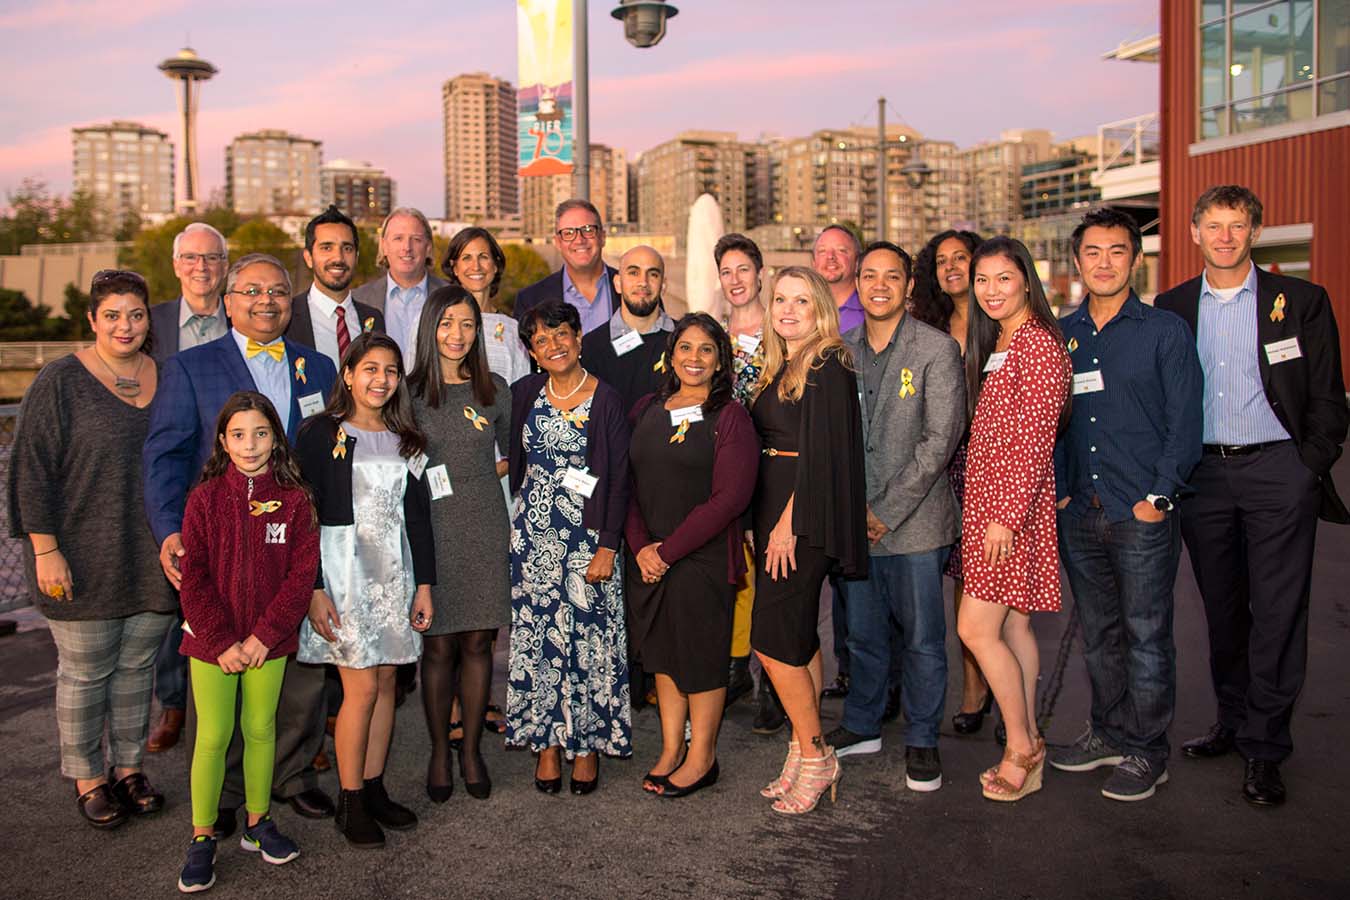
[{"x": 1195, "y": 839}]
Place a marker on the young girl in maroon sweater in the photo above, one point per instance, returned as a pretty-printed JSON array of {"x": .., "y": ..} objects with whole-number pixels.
[{"x": 252, "y": 543}]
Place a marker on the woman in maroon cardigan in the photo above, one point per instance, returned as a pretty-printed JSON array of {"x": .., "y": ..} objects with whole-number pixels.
[{"x": 693, "y": 454}]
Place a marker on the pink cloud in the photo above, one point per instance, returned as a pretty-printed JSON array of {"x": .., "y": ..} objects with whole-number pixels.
[{"x": 88, "y": 14}]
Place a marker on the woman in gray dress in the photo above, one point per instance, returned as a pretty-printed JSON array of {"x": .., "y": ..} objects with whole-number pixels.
[
  {"x": 92, "y": 564},
  {"x": 465, "y": 411}
]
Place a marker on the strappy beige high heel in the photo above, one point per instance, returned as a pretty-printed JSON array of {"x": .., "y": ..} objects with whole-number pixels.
[
  {"x": 817, "y": 776},
  {"x": 792, "y": 766}
]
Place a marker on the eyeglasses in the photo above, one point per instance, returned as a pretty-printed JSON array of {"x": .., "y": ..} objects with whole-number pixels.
[
  {"x": 569, "y": 235},
  {"x": 212, "y": 259},
  {"x": 273, "y": 293}
]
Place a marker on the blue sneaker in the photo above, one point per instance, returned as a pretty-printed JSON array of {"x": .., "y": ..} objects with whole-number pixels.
[
  {"x": 264, "y": 838},
  {"x": 199, "y": 872}
]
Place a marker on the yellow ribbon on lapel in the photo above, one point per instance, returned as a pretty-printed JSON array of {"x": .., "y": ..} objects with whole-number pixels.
[
  {"x": 368, "y": 324},
  {"x": 1073, "y": 344},
  {"x": 1277, "y": 314},
  {"x": 300, "y": 371},
  {"x": 472, "y": 415},
  {"x": 907, "y": 388},
  {"x": 678, "y": 436},
  {"x": 258, "y": 507},
  {"x": 660, "y": 365},
  {"x": 573, "y": 418},
  {"x": 499, "y": 331},
  {"x": 340, "y": 448}
]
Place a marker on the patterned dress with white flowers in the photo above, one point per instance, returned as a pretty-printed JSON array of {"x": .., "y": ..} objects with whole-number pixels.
[{"x": 567, "y": 683}]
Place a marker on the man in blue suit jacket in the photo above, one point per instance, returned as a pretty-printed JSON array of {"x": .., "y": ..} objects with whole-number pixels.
[
  {"x": 194, "y": 385},
  {"x": 197, "y": 316}
]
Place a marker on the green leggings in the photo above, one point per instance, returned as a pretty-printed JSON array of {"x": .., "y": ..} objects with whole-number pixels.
[{"x": 213, "y": 692}]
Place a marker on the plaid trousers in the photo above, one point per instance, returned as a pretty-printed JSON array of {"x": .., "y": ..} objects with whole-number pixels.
[{"x": 104, "y": 678}]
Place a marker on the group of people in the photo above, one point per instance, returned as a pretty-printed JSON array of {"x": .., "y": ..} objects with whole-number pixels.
[{"x": 354, "y": 481}]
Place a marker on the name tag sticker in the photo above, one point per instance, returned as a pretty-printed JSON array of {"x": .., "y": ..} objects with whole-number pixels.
[
  {"x": 579, "y": 481},
  {"x": 1088, "y": 382},
  {"x": 311, "y": 405},
  {"x": 438, "y": 481},
  {"x": 689, "y": 414},
  {"x": 747, "y": 342},
  {"x": 995, "y": 361},
  {"x": 416, "y": 464},
  {"x": 628, "y": 341},
  {"x": 1283, "y": 351}
]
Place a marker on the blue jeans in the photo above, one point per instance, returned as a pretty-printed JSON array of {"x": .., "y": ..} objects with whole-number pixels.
[
  {"x": 171, "y": 669},
  {"x": 1122, "y": 575},
  {"x": 839, "y": 626},
  {"x": 908, "y": 588}
]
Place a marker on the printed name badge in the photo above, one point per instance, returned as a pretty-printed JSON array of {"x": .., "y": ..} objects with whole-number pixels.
[
  {"x": 629, "y": 340},
  {"x": 1088, "y": 382},
  {"x": 416, "y": 464},
  {"x": 579, "y": 481},
  {"x": 748, "y": 342},
  {"x": 311, "y": 405},
  {"x": 995, "y": 361},
  {"x": 438, "y": 481},
  {"x": 1283, "y": 351},
  {"x": 684, "y": 414}
]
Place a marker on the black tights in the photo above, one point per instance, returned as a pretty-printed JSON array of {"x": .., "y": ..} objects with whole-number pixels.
[{"x": 469, "y": 652}]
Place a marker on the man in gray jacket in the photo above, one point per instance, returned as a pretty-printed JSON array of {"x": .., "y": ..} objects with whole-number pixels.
[{"x": 913, "y": 402}]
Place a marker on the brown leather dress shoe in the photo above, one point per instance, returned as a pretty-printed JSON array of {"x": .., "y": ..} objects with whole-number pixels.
[
  {"x": 166, "y": 732},
  {"x": 100, "y": 808}
]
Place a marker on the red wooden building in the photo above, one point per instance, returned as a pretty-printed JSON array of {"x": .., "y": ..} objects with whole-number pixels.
[{"x": 1259, "y": 95}]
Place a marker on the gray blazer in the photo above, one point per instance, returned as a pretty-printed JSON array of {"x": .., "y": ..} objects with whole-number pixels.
[
  {"x": 376, "y": 291},
  {"x": 910, "y": 439}
]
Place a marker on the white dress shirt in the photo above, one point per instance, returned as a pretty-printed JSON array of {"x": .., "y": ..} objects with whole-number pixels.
[
  {"x": 323, "y": 315},
  {"x": 272, "y": 377}
]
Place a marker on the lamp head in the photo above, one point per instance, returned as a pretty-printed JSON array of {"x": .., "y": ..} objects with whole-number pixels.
[{"x": 644, "y": 21}]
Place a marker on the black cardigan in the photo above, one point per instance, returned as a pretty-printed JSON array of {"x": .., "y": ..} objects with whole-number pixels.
[
  {"x": 606, "y": 455},
  {"x": 331, "y": 480}
]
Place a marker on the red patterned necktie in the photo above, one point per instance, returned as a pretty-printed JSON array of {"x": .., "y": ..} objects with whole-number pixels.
[{"x": 343, "y": 338}]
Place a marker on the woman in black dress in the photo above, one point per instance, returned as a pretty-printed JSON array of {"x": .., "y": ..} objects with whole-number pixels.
[
  {"x": 810, "y": 514},
  {"x": 692, "y": 454}
]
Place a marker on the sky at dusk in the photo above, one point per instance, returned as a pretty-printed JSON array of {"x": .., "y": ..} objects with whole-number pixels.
[{"x": 365, "y": 78}]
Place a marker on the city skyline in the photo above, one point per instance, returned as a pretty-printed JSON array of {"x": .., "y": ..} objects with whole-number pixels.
[{"x": 378, "y": 99}]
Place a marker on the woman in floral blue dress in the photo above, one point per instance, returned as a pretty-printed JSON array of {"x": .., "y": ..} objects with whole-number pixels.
[{"x": 567, "y": 685}]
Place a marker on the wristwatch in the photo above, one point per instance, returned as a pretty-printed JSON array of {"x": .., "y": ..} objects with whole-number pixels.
[{"x": 1160, "y": 502}]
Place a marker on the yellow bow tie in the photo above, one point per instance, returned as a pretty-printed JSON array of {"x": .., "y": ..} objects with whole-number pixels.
[{"x": 276, "y": 349}]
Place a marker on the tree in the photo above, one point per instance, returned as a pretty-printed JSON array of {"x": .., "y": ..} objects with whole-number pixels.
[
  {"x": 74, "y": 326},
  {"x": 20, "y": 318},
  {"x": 524, "y": 266},
  {"x": 151, "y": 255},
  {"x": 36, "y": 216}
]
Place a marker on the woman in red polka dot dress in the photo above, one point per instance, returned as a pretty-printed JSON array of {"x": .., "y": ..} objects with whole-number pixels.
[{"x": 1018, "y": 374}]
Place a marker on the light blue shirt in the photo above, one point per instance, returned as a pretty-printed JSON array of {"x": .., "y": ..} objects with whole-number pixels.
[
  {"x": 593, "y": 314},
  {"x": 402, "y": 309},
  {"x": 271, "y": 376},
  {"x": 195, "y": 330},
  {"x": 1236, "y": 408}
]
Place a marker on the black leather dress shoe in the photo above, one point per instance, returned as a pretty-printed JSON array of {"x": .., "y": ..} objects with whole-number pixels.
[
  {"x": 100, "y": 808},
  {"x": 137, "y": 796},
  {"x": 1262, "y": 785},
  {"x": 227, "y": 821},
  {"x": 312, "y": 804},
  {"x": 837, "y": 689},
  {"x": 1218, "y": 741}
]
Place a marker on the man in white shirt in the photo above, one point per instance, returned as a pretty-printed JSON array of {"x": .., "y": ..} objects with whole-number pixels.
[
  {"x": 405, "y": 252},
  {"x": 327, "y": 317}
]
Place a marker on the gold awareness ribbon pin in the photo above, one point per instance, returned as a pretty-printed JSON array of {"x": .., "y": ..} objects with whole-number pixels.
[
  {"x": 907, "y": 388},
  {"x": 258, "y": 507},
  {"x": 472, "y": 415},
  {"x": 340, "y": 448}
]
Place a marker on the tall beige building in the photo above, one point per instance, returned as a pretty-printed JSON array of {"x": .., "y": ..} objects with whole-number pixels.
[
  {"x": 541, "y": 194},
  {"x": 994, "y": 200},
  {"x": 126, "y": 167},
  {"x": 671, "y": 176},
  {"x": 273, "y": 172},
  {"x": 359, "y": 189},
  {"x": 481, "y": 157}
]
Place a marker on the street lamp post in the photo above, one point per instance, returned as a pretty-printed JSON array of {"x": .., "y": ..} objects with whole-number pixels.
[{"x": 915, "y": 172}]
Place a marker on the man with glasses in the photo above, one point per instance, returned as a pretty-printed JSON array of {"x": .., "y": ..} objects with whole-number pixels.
[
  {"x": 193, "y": 387},
  {"x": 196, "y": 317},
  {"x": 584, "y": 281}
]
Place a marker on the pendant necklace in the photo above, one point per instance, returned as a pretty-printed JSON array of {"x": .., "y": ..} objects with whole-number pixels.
[{"x": 127, "y": 387}]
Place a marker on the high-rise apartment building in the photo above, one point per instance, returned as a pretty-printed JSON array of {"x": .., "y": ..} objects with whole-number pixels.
[
  {"x": 995, "y": 167},
  {"x": 126, "y": 167},
  {"x": 541, "y": 194},
  {"x": 609, "y": 182},
  {"x": 671, "y": 176},
  {"x": 481, "y": 158},
  {"x": 360, "y": 190},
  {"x": 273, "y": 172}
]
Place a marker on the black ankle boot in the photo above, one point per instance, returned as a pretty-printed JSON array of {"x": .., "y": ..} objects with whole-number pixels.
[
  {"x": 739, "y": 682},
  {"x": 386, "y": 811},
  {"x": 770, "y": 716},
  {"x": 355, "y": 823}
]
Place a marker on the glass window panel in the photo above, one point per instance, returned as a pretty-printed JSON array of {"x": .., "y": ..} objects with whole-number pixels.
[
  {"x": 1273, "y": 110},
  {"x": 1272, "y": 49},
  {"x": 1334, "y": 37},
  {"x": 1213, "y": 64},
  {"x": 1213, "y": 122},
  {"x": 1211, "y": 9},
  {"x": 1335, "y": 96}
]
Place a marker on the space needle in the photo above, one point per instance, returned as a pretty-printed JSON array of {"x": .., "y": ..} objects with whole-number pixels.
[{"x": 191, "y": 70}]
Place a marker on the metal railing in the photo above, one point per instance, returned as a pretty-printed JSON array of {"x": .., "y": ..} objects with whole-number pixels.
[
  {"x": 13, "y": 582},
  {"x": 1138, "y": 138},
  {"x": 36, "y": 354}
]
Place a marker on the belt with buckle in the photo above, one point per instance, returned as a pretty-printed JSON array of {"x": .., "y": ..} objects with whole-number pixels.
[
  {"x": 770, "y": 451},
  {"x": 1227, "y": 450}
]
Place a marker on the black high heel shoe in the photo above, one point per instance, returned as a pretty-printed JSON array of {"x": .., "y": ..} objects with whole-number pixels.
[
  {"x": 480, "y": 790},
  {"x": 440, "y": 793},
  {"x": 546, "y": 785},
  {"x": 972, "y": 722},
  {"x": 582, "y": 788},
  {"x": 672, "y": 791}
]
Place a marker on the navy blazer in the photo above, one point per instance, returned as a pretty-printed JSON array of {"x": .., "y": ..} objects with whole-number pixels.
[
  {"x": 193, "y": 386},
  {"x": 164, "y": 326},
  {"x": 550, "y": 287},
  {"x": 1306, "y": 394}
]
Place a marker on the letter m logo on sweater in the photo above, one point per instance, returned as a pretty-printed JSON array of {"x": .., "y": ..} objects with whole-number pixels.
[{"x": 276, "y": 533}]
